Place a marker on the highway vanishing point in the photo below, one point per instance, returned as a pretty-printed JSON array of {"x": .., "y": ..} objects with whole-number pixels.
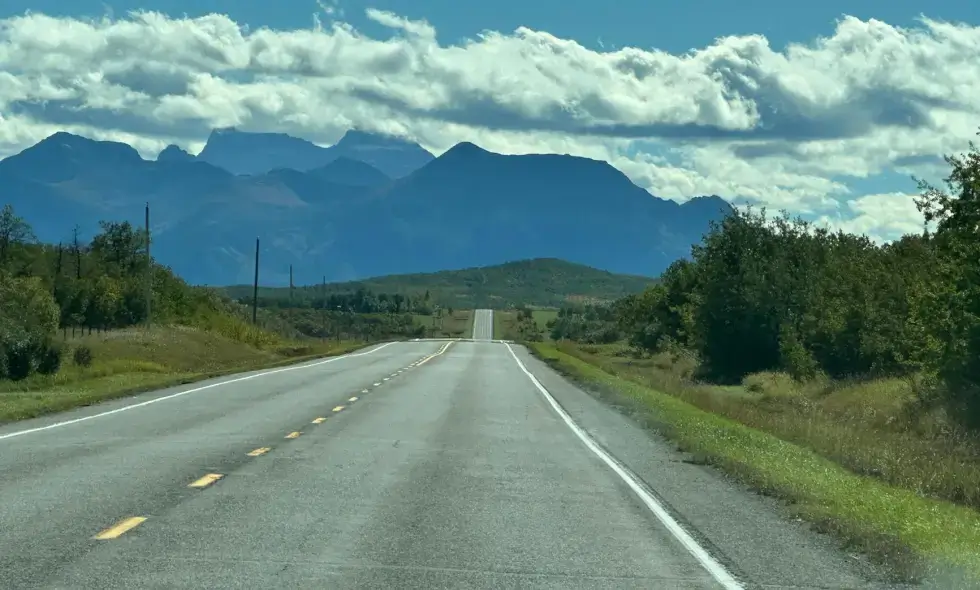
[{"x": 419, "y": 465}]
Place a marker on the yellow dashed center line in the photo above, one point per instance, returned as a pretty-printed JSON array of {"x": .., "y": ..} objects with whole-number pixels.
[
  {"x": 338, "y": 408},
  {"x": 205, "y": 481},
  {"x": 364, "y": 391},
  {"x": 353, "y": 399},
  {"x": 386, "y": 378},
  {"x": 294, "y": 434},
  {"x": 377, "y": 384},
  {"x": 319, "y": 420},
  {"x": 259, "y": 451},
  {"x": 121, "y": 527}
]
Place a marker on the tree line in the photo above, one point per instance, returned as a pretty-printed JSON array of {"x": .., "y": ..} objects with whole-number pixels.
[
  {"x": 764, "y": 293},
  {"x": 360, "y": 300},
  {"x": 101, "y": 283}
]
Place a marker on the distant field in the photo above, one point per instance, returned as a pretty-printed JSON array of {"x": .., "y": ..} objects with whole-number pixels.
[
  {"x": 543, "y": 282},
  {"x": 128, "y": 361},
  {"x": 506, "y": 326},
  {"x": 457, "y": 325}
]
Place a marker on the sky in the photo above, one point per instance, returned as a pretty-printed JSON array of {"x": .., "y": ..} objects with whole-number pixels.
[{"x": 824, "y": 109}]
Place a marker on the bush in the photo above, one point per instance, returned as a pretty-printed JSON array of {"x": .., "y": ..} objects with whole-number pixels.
[
  {"x": 83, "y": 356},
  {"x": 50, "y": 359},
  {"x": 23, "y": 358}
]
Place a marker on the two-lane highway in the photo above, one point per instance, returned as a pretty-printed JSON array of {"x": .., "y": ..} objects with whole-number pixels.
[
  {"x": 455, "y": 472},
  {"x": 430, "y": 464},
  {"x": 483, "y": 324}
]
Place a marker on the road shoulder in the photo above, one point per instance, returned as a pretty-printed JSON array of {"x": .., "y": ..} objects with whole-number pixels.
[{"x": 750, "y": 534}]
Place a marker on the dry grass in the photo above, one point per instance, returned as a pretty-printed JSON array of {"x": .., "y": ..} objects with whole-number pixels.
[
  {"x": 838, "y": 453},
  {"x": 865, "y": 426},
  {"x": 132, "y": 360},
  {"x": 459, "y": 324}
]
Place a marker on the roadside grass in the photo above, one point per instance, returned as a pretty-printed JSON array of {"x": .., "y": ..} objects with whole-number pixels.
[
  {"x": 505, "y": 325},
  {"x": 459, "y": 324},
  {"x": 542, "y": 317},
  {"x": 835, "y": 452},
  {"x": 130, "y": 361}
]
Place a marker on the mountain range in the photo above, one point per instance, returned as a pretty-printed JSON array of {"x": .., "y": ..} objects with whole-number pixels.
[{"x": 368, "y": 206}]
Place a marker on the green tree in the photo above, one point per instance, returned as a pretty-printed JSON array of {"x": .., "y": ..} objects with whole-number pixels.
[{"x": 14, "y": 232}]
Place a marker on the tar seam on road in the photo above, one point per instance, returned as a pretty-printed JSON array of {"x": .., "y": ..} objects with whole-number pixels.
[
  {"x": 185, "y": 392},
  {"x": 716, "y": 569}
]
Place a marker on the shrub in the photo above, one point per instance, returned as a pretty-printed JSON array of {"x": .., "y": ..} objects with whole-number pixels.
[
  {"x": 83, "y": 356},
  {"x": 49, "y": 361}
]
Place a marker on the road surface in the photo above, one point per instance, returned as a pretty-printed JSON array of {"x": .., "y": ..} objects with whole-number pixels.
[
  {"x": 428, "y": 464},
  {"x": 483, "y": 324}
]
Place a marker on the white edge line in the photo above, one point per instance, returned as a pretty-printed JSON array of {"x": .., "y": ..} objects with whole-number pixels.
[
  {"x": 716, "y": 569},
  {"x": 186, "y": 391}
]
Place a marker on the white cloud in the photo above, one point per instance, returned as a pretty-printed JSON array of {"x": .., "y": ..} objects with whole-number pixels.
[
  {"x": 781, "y": 128},
  {"x": 882, "y": 217}
]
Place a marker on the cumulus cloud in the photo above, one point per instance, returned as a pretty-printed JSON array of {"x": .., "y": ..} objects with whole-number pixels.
[
  {"x": 737, "y": 118},
  {"x": 882, "y": 217}
]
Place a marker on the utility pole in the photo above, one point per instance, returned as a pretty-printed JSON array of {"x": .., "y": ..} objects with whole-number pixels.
[
  {"x": 290, "y": 296},
  {"x": 149, "y": 266},
  {"x": 255, "y": 286},
  {"x": 323, "y": 303}
]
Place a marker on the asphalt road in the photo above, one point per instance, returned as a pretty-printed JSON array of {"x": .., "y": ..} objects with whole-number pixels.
[
  {"x": 426, "y": 464},
  {"x": 483, "y": 324}
]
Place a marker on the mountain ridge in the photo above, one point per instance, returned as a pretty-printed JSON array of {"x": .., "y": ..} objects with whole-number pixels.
[{"x": 348, "y": 219}]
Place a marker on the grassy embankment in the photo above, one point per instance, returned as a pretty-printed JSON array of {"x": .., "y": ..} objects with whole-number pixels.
[
  {"x": 459, "y": 324},
  {"x": 130, "y": 361},
  {"x": 844, "y": 456}
]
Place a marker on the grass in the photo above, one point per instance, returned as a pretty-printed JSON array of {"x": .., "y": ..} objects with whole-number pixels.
[
  {"x": 542, "y": 281},
  {"x": 507, "y": 327},
  {"x": 802, "y": 443},
  {"x": 131, "y": 361},
  {"x": 459, "y": 324}
]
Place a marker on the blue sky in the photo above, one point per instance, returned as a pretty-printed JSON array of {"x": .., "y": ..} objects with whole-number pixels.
[
  {"x": 671, "y": 26},
  {"x": 827, "y": 116}
]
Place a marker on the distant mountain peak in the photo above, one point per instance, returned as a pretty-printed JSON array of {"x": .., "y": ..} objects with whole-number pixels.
[
  {"x": 357, "y": 138},
  {"x": 345, "y": 170},
  {"x": 173, "y": 153},
  {"x": 466, "y": 148},
  {"x": 79, "y": 146}
]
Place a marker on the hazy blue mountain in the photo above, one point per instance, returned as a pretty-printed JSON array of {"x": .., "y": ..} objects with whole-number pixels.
[
  {"x": 242, "y": 152},
  {"x": 173, "y": 153},
  {"x": 347, "y": 219}
]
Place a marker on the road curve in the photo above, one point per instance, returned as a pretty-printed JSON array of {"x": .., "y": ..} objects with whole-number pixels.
[
  {"x": 413, "y": 465},
  {"x": 483, "y": 324}
]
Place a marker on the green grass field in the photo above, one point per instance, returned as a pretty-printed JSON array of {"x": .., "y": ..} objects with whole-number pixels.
[
  {"x": 457, "y": 325},
  {"x": 130, "y": 361},
  {"x": 835, "y": 454}
]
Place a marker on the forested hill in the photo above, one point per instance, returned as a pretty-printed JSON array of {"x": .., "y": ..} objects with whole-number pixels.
[{"x": 544, "y": 282}]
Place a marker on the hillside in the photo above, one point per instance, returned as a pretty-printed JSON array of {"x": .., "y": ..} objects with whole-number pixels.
[
  {"x": 349, "y": 220},
  {"x": 543, "y": 282}
]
